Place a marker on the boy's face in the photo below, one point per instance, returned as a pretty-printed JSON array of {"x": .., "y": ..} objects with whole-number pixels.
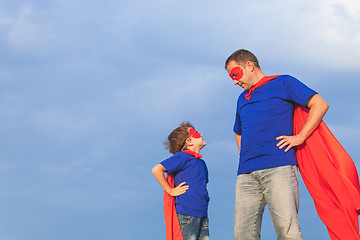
[{"x": 196, "y": 139}]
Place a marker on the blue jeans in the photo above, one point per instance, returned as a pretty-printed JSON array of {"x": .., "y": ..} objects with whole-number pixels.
[
  {"x": 276, "y": 187},
  {"x": 194, "y": 228}
]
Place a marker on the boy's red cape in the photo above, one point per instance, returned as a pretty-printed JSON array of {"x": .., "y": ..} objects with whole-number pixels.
[
  {"x": 331, "y": 179},
  {"x": 173, "y": 230}
]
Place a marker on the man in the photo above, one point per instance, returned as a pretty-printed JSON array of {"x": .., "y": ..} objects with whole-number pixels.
[{"x": 267, "y": 172}]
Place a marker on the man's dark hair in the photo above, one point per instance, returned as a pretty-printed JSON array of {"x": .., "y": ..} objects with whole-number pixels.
[
  {"x": 242, "y": 56},
  {"x": 176, "y": 139}
]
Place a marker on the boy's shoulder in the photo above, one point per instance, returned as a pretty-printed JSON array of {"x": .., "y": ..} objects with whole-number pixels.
[
  {"x": 181, "y": 154},
  {"x": 176, "y": 162}
]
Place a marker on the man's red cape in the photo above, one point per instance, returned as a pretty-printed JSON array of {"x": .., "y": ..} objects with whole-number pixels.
[
  {"x": 331, "y": 178},
  {"x": 329, "y": 175}
]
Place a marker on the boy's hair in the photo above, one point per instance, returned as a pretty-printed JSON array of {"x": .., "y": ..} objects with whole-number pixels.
[
  {"x": 241, "y": 56},
  {"x": 176, "y": 139}
]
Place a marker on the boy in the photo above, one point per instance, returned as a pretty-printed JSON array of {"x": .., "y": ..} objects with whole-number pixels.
[{"x": 187, "y": 167}]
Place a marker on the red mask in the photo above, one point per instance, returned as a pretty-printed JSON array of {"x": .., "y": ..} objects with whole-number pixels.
[
  {"x": 194, "y": 133},
  {"x": 236, "y": 73}
]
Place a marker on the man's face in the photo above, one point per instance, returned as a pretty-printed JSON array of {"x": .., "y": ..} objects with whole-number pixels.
[{"x": 235, "y": 70}]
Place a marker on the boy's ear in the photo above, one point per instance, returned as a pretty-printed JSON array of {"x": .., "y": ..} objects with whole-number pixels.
[{"x": 188, "y": 142}]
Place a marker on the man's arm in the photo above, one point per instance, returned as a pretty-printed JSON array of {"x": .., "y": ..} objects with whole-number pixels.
[
  {"x": 318, "y": 107},
  {"x": 158, "y": 172},
  {"x": 238, "y": 141}
]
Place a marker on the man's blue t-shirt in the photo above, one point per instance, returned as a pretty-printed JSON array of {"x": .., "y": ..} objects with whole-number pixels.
[
  {"x": 193, "y": 171},
  {"x": 267, "y": 115}
]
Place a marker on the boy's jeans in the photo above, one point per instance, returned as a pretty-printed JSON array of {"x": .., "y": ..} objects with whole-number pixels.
[
  {"x": 276, "y": 187},
  {"x": 194, "y": 228}
]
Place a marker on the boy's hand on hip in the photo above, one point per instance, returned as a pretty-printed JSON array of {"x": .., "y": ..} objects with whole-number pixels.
[
  {"x": 289, "y": 142},
  {"x": 180, "y": 189}
]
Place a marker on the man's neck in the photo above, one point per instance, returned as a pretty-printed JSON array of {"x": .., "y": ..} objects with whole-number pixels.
[{"x": 258, "y": 75}]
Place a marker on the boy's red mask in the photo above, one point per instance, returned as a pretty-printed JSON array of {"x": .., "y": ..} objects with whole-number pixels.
[
  {"x": 194, "y": 133},
  {"x": 236, "y": 73}
]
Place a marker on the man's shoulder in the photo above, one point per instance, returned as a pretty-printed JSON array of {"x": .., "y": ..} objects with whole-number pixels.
[
  {"x": 285, "y": 80},
  {"x": 284, "y": 77}
]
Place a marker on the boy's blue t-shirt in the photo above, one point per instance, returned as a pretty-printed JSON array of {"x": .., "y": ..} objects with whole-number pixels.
[
  {"x": 267, "y": 115},
  {"x": 193, "y": 171}
]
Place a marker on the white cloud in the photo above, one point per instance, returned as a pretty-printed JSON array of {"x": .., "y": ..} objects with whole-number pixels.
[
  {"x": 72, "y": 167},
  {"x": 20, "y": 29},
  {"x": 174, "y": 90},
  {"x": 345, "y": 133},
  {"x": 54, "y": 122},
  {"x": 61, "y": 123},
  {"x": 330, "y": 33},
  {"x": 321, "y": 32}
]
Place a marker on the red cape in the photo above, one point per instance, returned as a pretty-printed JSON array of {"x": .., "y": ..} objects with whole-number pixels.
[
  {"x": 331, "y": 178},
  {"x": 173, "y": 231},
  {"x": 329, "y": 175}
]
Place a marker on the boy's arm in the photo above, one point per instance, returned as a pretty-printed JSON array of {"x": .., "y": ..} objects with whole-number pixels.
[
  {"x": 158, "y": 172},
  {"x": 238, "y": 141},
  {"x": 317, "y": 109}
]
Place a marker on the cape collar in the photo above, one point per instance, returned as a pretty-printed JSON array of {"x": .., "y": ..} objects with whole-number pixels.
[
  {"x": 261, "y": 82},
  {"x": 192, "y": 153}
]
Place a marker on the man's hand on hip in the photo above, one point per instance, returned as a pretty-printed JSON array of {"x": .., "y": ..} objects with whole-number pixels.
[{"x": 289, "y": 142}]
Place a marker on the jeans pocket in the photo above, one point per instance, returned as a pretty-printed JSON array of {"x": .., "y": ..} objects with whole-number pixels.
[
  {"x": 205, "y": 223},
  {"x": 184, "y": 219}
]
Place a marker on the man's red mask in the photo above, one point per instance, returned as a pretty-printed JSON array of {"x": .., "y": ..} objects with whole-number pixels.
[
  {"x": 236, "y": 73},
  {"x": 194, "y": 133}
]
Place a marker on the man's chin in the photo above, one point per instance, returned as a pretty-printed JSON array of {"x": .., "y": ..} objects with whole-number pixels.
[{"x": 244, "y": 87}]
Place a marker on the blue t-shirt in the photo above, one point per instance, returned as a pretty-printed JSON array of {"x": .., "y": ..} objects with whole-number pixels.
[
  {"x": 267, "y": 115},
  {"x": 186, "y": 168}
]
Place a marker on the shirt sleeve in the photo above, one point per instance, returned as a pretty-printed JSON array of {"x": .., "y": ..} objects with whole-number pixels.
[
  {"x": 237, "y": 125},
  {"x": 297, "y": 91},
  {"x": 206, "y": 173},
  {"x": 174, "y": 163}
]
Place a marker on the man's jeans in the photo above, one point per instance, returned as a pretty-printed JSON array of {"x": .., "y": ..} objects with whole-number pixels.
[
  {"x": 194, "y": 228},
  {"x": 276, "y": 187}
]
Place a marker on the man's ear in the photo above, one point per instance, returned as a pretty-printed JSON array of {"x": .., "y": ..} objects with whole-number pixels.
[{"x": 251, "y": 66}]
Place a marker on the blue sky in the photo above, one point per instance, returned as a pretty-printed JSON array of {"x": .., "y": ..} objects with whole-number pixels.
[{"x": 91, "y": 89}]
